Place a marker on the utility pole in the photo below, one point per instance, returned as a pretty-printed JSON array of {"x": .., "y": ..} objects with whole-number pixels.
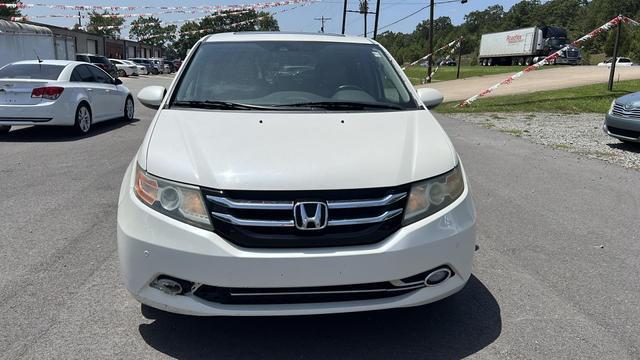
[
  {"x": 375, "y": 25},
  {"x": 459, "y": 57},
  {"x": 322, "y": 20},
  {"x": 612, "y": 74},
  {"x": 79, "y": 20},
  {"x": 430, "y": 40},
  {"x": 364, "y": 9},
  {"x": 344, "y": 16}
]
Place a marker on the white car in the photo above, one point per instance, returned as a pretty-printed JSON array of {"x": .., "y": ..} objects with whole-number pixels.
[
  {"x": 140, "y": 69},
  {"x": 622, "y": 61},
  {"x": 60, "y": 92},
  {"x": 124, "y": 70},
  {"x": 291, "y": 174}
]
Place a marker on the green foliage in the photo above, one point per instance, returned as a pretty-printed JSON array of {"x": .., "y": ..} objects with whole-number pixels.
[
  {"x": 191, "y": 32},
  {"x": 97, "y": 20},
  {"x": 583, "y": 99},
  {"x": 149, "y": 31},
  {"x": 6, "y": 13},
  {"x": 577, "y": 16}
]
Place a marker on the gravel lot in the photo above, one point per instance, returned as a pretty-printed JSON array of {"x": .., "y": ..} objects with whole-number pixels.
[{"x": 577, "y": 133}]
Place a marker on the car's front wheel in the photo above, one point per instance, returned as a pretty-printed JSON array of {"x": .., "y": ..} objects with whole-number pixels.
[
  {"x": 129, "y": 109},
  {"x": 122, "y": 73},
  {"x": 83, "y": 119}
]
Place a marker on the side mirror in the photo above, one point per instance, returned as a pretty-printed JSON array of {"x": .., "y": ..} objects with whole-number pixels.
[
  {"x": 152, "y": 96},
  {"x": 430, "y": 97},
  {"x": 117, "y": 81}
]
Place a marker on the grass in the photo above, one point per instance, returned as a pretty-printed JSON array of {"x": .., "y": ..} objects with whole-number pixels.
[
  {"x": 582, "y": 99},
  {"x": 417, "y": 73}
]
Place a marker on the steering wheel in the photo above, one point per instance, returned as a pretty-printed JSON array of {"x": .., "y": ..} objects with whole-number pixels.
[{"x": 349, "y": 87}]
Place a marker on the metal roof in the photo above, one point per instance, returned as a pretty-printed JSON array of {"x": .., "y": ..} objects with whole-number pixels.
[{"x": 20, "y": 28}]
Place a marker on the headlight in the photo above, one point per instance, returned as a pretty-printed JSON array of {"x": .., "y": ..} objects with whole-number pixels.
[
  {"x": 179, "y": 201},
  {"x": 611, "y": 107},
  {"x": 430, "y": 196}
]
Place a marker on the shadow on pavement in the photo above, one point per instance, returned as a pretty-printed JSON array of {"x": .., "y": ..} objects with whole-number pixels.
[
  {"x": 34, "y": 134},
  {"x": 630, "y": 147},
  {"x": 452, "y": 328}
]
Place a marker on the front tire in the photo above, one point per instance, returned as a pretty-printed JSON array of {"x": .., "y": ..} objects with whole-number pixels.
[
  {"x": 83, "y": 121},
  {"x": 129, "y": 109},
  {"x": 122, "y": 73}
]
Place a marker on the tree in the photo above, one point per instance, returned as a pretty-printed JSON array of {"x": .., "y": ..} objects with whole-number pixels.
[
  {"x": 97, "y": 22},
  {"x": 7, "y": 13},
  {"x": 149, "y": 31},
  {"x": 251, "y": 20}
]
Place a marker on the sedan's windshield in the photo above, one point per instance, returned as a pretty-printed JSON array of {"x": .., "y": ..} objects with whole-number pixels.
[{"x": 292, "y": 75}]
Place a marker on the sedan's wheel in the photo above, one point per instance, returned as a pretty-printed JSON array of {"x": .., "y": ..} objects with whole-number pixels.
[
  {"x": 83, "y": 119},
  {"x": 128, "y": 109},
  {"x": 4, "y": 129},
  {"x": 122, "y": 73}
]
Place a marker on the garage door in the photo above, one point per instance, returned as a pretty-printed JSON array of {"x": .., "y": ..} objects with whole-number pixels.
[{"x": 92, "y": 46}]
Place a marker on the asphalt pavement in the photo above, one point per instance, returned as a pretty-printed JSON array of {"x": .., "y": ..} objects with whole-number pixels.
[{"x": 555, "y": 276}]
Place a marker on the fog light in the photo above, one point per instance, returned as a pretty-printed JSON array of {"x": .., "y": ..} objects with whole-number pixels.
[
  {"x": 438, "y": 276},
  {"x": 167, "y": 286}
]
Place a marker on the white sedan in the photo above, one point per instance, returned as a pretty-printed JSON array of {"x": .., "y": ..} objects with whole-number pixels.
[
  {"x": 60, "y": 92},
  {"x": 140, "y": 69},
  {"x": 124, "y": 70},
  {"x": 622, "y": 61}
]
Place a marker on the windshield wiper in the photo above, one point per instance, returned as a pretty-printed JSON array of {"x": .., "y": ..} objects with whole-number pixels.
[
  {"x": 215, "y": 104},
  {"x": 342, "y": 105}
]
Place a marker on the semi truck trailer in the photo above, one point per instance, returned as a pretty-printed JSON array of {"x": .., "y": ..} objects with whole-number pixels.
[
  {"x": 20, "y": 41},
  {"x": 526, "y": 46}
]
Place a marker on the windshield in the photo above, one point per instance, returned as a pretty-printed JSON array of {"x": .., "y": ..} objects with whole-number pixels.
[
  {"x": 557, "y": 42},
  {"x": 31, "y": 71},
  {"x": 98, "y": 60},
  {"x": 297, "y": 74}
]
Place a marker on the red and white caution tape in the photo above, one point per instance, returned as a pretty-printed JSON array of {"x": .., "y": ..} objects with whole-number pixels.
[
  {"x": 604, "y": 28},
  {"x": 447, "y": 58},
  {"x": 429, "y": 55}
]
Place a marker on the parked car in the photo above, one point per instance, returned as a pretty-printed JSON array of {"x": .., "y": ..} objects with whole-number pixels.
[
  {"x": 60, "y": 92},
  {"x": 177, "y": 64},
  {"x": 255, "y": 192},
  {"x": 622, "y": 61},
  {"x": 124, "y": 70},
  {"x": 151, "y": 68},
  {"x": 100, "y": 61},
  {"x": 140, "y": 69},
  {"x": 160, "y": 65},
  {"x": 448, "y": 62},
  {"x": 623, "y": 118}
]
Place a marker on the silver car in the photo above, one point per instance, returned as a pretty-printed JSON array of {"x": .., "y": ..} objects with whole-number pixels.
[{"x": 623, "y": 119}]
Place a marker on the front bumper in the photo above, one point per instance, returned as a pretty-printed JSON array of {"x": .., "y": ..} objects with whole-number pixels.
[
  {"x": 623, "y": 128},
  {"x": 151, "y": 244},
  {"x": 51, "y": 113}
]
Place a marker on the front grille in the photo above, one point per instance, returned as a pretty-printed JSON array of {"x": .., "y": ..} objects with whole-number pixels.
[
  {"x": 619, "y": 110},
  {"x": 624, "y": 132},
  {"x": 572, "y": 53},
  {"x": 265, "y": 219}
]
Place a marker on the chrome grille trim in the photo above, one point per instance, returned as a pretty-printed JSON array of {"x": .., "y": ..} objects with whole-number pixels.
[
  {"x": 412, "y": 287},
  {"x": 371, "y": 220},
  {"x": 350, "y": 204},
  {"x": 620, "y": 111},
  {"x": 257, "y": 223},
  {"x": 251, "y": 205}
]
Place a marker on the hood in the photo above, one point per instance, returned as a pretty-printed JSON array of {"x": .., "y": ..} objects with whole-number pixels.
[
  {"x": 245, "y": 150},
  {"x": 631, "y": 100}
]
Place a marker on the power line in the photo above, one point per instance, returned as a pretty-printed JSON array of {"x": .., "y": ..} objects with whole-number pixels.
[{"x": 414, "y": 13}]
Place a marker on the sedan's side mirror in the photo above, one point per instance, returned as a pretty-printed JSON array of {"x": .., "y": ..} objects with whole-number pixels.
[
  {"x": 430, "y": 97},
  {"x": 152, "y": 96},
  {"x": 117, "y": 81}
]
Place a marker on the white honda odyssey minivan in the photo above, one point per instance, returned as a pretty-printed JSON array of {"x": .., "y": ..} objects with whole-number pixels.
[{"x": 290, "y": 174}]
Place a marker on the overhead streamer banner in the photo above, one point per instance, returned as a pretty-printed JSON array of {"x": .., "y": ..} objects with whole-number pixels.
[
  {"x": 131, "y": 8},
  {"x": 185, "y": 10},
  {"x": 449, "y": 55},
  {"x": 549, "y": 59}
]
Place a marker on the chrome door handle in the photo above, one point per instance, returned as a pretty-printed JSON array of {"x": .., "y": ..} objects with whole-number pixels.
[{"x": 89, "y": 89}]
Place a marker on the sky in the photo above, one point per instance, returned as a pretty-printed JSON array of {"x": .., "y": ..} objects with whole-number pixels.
[{"x": 297, "y": 19}]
